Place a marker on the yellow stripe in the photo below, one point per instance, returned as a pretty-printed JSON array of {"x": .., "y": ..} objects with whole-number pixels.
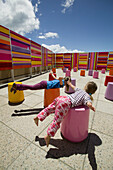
[
  {"x": 17, "y": 59},
  {"x": 4, "y": 30},
  {"x": 35, "y": 56},
  {"x": 4, "y": 38},
  {"x": 111, "y": 52},
  {"x": 32, "y": 48},
  {"x": 19, "y": 38},
  {"x": 6, "y": 61},
  {"x": 36, "y": 62}
]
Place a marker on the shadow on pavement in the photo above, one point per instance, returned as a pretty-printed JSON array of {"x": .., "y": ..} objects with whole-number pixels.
[{"x": 65, "y": 148}]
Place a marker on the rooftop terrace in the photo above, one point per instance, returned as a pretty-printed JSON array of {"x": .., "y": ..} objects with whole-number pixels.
[{"x": 21, "y": 141}]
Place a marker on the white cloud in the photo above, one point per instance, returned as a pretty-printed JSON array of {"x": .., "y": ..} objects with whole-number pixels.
[
  {"x": 19, "y": 15},
  {"x": 67, "y": 4},
  {"x": 60, "y": 49},
  {"x": 48, "y": 35}
]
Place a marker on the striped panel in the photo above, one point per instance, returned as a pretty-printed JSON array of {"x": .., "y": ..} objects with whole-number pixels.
[
  {"x": 75, "y": 57},
  {"x": 53, "y": 59},
  {"x": 83, "y": 60},
  {"x": 21, "y": 51},
  {"x": 102, "y": 60},
  {"x": 91, "y": 61},
  {"x": 110, "y": 61},
  {"x": 49, "y": 58},
  {"x": 67, "y": 59},
  {"x": 44, "y": 56},
  {"x": 36, "y": 57},
  {"x": 5, "y": 49},
  {"x": 59, "y": 60}
]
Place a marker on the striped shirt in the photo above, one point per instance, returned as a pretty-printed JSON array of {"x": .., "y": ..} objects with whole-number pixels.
[{"x": 79, "y": 97}]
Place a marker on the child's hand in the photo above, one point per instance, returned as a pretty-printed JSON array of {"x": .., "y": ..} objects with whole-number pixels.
[
  {"x": 68, "y": 82},
  {"x": 90, "y": 106}
]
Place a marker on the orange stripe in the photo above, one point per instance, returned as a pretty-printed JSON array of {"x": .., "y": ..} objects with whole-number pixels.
[{"x": 4, "y": 42}]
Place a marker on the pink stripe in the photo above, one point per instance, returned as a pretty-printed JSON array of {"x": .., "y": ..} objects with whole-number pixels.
[
  {"x": 19, "y": 44},
  {"x": 39, "y": 48},
  {"x": 38, "y": 55},
  {"x": 5, "y": 51},
  {"x": 5, "y": 35},
  {"x": 5, "y": 56}
]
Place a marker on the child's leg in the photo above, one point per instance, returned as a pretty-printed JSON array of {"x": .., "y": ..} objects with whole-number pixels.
[
  {"x": 41, "y": 85},
  {"x": 45, "y": 112},
  {"x": 62, "y": 107}
]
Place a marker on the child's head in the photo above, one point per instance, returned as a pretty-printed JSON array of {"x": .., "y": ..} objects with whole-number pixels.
[
  {"x": 65, "y": 82},
  {"x": 90, "y": 87}
]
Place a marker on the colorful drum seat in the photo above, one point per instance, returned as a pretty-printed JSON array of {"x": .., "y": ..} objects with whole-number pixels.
[
  {"x": 73, "y": 81},
  {"x": 90, "y": 72},
  {"x": 103, "y": 71},
  {"x": 82, "y": 72},
  {"x": 109, "y": 91},
  {"x": 17, "y": 98},
  {"x": 108, "y": 79},
  {"x": 74, "y": 126},
  {"x": 96, "y": 74},
  {"x": 68, "y": 73}
]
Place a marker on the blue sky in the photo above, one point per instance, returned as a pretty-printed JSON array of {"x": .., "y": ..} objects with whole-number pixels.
[{"x": 62, "y": 25}]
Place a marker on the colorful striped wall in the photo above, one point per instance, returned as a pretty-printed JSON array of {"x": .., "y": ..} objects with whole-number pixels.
[
  {"x": 49, "y": 57},
  {"x": 44, "y": 56},
  {"x": 67, "y": 59},
  {"x": 83, "y": 61},
  {"x": 75, "y": 57},
  {"x": 102, "y": 60},
  {"x": 21, "y": 54},
  {"x": 17, "y": 51},
  {"x": 110, "y": 61},
  {"x": 36, "y": 57},
  {"x": 59, "y": 60},
  {"x": 92, "y": 61},
  {"x": 53, "y": 59},
  {"x": 5, "y": 49}
]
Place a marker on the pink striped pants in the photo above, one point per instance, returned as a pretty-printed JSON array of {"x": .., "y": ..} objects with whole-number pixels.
[{"x": 60, "y": 107}]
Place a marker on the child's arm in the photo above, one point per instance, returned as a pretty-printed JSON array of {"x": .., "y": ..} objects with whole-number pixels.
[
  {"x": 71, "y": 85},
  {"x": 89, "y": 104},
  {"x": 53, "y": 75}
]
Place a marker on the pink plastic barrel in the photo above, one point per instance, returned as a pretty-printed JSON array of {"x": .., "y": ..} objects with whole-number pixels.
[
  {"x": 103, "y": 71},
  {"x": 74, "y": 126},
  {"x": 64, "y": 69},
  {"x": 95, "y": 74},
  {"x": 75, "y": 69},
  {"x": 73, "y": 81},
  {"x": 90, "y": 72},
  {"x": 109, "y": 91},
  {"x": 68, "y": 73}
]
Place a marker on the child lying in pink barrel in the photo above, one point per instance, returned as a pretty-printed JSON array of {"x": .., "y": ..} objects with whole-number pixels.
[
  {"x": 61, "y": 105},
  {"x": 57, "y": 83}
]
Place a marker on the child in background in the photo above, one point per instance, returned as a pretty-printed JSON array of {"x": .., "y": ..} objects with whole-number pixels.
[
  {"x": 57, "y": 83},
  {"x": 61, "y": 105}
]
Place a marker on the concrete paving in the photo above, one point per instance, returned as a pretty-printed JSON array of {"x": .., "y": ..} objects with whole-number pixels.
[{"x": 22, "y": 145}]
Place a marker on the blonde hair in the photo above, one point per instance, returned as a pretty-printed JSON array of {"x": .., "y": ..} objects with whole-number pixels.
[{"x": 90, "y": 88}]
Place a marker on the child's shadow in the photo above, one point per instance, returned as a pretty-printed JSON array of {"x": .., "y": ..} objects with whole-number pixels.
[{"x": 64, "y": 148}]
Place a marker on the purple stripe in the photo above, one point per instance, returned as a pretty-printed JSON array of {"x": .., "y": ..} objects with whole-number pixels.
[
  {"x": 5, "y": 51},
  {"x": 20, "y": 56},
  {"x": 21, "y": 64},
  {"x": 18, "y": 49}
]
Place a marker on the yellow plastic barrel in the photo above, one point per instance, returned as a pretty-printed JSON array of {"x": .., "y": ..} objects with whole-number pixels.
[{"x": 17, "y": 98}]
